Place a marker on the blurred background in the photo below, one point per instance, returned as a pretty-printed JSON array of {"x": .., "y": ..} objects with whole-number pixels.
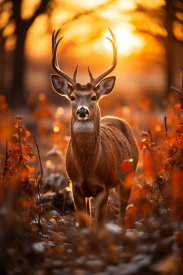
[{"x": 149, "y": 38}]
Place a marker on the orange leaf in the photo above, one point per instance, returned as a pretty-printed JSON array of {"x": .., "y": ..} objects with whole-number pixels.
[
  {"x": 177, "y": 106},
  {"x": 127, "y": 165},
  {"x": 16, "y": 125},
  {"x": 128, "y": 182},
  {"x": 28, "y": 149},
  {"x": 30, "y": 169},
  {"x": 27, "y": 133}
]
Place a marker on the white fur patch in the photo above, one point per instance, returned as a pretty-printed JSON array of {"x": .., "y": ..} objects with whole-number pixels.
[
  {"x": 82, "y": 106},
  {"x": 83, "y": 126}
]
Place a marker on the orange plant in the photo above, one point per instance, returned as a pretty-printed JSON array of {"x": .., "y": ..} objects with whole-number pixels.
[
  {"x": 18, "y": 180},
  {"x": 174, "y": 164}
]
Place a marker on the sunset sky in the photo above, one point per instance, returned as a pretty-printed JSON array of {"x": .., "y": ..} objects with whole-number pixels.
[
  {"x": 116, "y": 15},
  {"x": 138, "y": 25}
]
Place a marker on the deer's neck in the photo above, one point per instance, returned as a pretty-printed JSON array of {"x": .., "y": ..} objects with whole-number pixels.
[{"x": 85, "y": 140}]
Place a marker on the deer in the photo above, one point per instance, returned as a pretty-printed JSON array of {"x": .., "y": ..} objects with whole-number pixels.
[{"x": 98, "y": 145}]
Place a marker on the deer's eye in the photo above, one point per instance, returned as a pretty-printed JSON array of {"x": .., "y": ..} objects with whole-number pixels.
[
  {"x": 94, "y": 98},
  {"x": 72, "y": 98}
]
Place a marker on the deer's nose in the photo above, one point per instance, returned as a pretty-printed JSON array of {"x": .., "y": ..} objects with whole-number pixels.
[{"x": 82, "y": 112}]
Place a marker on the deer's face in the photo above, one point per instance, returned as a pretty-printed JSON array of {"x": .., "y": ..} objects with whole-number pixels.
[{"x": 83, "y": 98}]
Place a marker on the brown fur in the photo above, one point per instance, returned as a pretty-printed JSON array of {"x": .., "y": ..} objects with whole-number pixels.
[{"x": 93, "y": 163}]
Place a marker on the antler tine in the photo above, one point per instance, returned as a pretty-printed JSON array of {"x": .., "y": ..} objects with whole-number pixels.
[
  {"x": 54, "y": 38},
  {"x": 95, "y": 81},
  {"x": 75, "y": 73},
  {"x": 55, "y": 64},
  {"x": 91, "y": 76}
]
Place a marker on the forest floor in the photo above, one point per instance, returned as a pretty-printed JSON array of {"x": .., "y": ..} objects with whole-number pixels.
[{"x": 55, "y": 244}]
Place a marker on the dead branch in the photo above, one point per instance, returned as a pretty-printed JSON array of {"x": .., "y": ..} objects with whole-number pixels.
[
  {"x": 5, "y": 165},
  {"x": 41, "y": 175}
]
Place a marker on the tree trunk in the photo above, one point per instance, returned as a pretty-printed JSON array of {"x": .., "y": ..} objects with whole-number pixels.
[
  {"x": 17, "y": 94},
  {"x": 2, "y": 64},
  {"x": 170, "y": 70},
  {"x": 16, "y": 91},
  {"x": 169, "y": 43}
]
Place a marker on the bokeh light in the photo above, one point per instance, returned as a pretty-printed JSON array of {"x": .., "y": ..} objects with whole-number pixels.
[
  {"x": 41, "y": 96},
  {"x": 56, "y": 129}
]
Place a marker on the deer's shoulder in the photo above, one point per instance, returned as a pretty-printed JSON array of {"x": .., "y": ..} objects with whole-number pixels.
[{"x": 114, "y": 121}]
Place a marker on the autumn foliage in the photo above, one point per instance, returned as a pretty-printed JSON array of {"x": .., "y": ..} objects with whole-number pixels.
[{"x": 18, "y": 180}]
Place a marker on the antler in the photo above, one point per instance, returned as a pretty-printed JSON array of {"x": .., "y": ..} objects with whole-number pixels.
[
  {"x": 95, "y": 81},
  {"x": 55, "y": 64}
]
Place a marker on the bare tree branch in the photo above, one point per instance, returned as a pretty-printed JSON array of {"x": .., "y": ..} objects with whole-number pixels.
[
  {"x": 27, "y": 22},
  {"x": 39, "y": 181},
  {"x": 41, "y": 9}
]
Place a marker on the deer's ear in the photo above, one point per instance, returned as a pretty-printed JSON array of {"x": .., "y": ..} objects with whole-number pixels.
[
  {"x": 60, "y": 85},
  {"x": 106, "y": 86}
]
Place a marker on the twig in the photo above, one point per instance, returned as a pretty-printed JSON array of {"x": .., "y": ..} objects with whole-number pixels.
[
  {"x": 41, "y": 175},
  {"x": 144, "y": 160},
  {"x": 149, "y": 131},
  {"x": 41, "y": 167},
  {"x": 182, "y": 78},
  {"x": 165, "y": 123},
  {"x": 21, "y": 154},
  {"x": 5, "y": 165},
  {"x": 175, "y": 89}
]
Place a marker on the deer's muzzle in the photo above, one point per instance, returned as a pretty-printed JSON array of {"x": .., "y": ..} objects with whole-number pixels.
[{"x": 82, "y": 113}]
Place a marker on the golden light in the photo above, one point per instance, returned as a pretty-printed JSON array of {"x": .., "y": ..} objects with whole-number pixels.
[
  {"x": 10, "y": 42},
  {"x": 60, "y": 110},
  {"x": 127, "y": 5},
  {"x": 48, "y": 164},
  {"x": 127, "y": 41},
  {"x": 9, "y": 30},
  {"x": 38, "y": 38},
  {"x": 56, "y": 129},
  {"x": 158, "y": 128},
  {"x": 126, "y": 110},
  {"x": 88, "y": 4},
  {"x": 5, "y": 13},
  {"x": 28, "y": 7}
]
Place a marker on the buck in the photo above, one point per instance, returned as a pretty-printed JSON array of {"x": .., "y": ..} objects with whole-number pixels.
[{"x": 98, "y": 146}]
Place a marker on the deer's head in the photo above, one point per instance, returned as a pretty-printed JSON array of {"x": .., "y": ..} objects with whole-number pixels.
[{"x": 84, "y": 98}]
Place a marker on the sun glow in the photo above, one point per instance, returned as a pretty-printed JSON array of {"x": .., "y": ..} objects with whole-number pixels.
[{"x": 127, "y": 42}]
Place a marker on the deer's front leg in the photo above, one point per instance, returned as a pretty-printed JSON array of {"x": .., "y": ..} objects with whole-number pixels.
[
  {"x": 80, "y": 206},
  {"x": 100, "y": 202}
]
